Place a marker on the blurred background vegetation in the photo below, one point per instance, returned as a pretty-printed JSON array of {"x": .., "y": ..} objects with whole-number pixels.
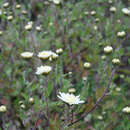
[{"x": 82, "y": 28}]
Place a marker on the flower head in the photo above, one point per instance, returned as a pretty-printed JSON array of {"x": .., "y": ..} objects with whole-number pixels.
[
  {"x": 116, "y": 61},
  {"x": 113, "y": 9},
  {"x": 126, "y": 11},
  {"x": 43, "y": 70},
  {"x": 1, "y": 33},
  {"x": 27, "y": 55},
  {"x": 24, "y": 12},
  {"x": 54, "y": 55},
  {"x": 108, "y": 49},
  {"x": 59, "y": 51},
  {"x": 9, "y": 18},
  {"x": 38, "y": 28},
  {"x": 28, "y": 27},
  {"x": 121, "y": 34},
  {"x": 44, "y": 54},
  {"x": 31, "y": 100},
  {"x": 126, "y": 109},
  {"x": 70, "y": 98},
  {"x": 3, "y": 108},
  {"x": 87, "y": 65},
  {"x": 93, "y": 12},
  {"x": 6, "y": 5},
  {"x": 56, "y": 2},
  {"x": 18, "y": 6}
]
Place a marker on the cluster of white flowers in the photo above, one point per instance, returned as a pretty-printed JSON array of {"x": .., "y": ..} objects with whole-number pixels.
[{"x": 70, "y": 98}]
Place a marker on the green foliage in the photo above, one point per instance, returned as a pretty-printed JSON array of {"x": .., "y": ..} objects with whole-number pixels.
[{"x": 82, "y": 39}]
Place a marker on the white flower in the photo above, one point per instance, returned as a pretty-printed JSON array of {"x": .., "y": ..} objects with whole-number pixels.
[
  {"x": 22, "y": 106},
  {"x": 121, "y": 34},
  {"x": 126, "y": 11},
  {"x": 38, "y": 28},
  {"x": 59, "y": 51},
  {"x": 54, "y": 55},
  {"x": 116, "y": 61},
  {"x": 43, "y": 70},
  {"x": 10, "y": 17},
  {"x": 5, "y": 13},
  {"x": 118, "y": 89},
  {"x": 70, "y": 73},
  {"x": 3, "y": 108},
  {"x": 108, "y": 49},
  {"x": 31, "y": 100},
  {"x": 24, "y": 12},
  {"x": 110, "y": 1},
  {"x": 27, "y": 54},
  {"x": 84, "y": 78},
  {"x": 87, "y": 65},
  {"x": 93, "y": 12},
  {"x": 56, "y": 2},
  {"x": 97, "y": 20},
  {"x": 86, "y": 12},
  {"x": 45, "y": 54},
  {"x": 100, "y": 117},
  {"x": 1, "y": 32},
  {"x": 28, "y": 27},
  {"x": 18, "y": 6},
  {"x": 126, "y": 109},
  {"x": 95, "y": 27},
  {"x": 113, "y": 9},
  {"x": 5, "y": 5},
  {"x": 103, "y": 57},
  {"x": 70, "y": 98}
]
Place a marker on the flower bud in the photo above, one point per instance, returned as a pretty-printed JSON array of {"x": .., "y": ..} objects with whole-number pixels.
[
  {"x": 87, "y": 65},
  {"x": 108, "y": 49},
  {"x": 116, "y": 61},
  {"x": 6, "y": 5},
  {"x": 3, "y": 108},
  {"x": 113, "y": 9}
]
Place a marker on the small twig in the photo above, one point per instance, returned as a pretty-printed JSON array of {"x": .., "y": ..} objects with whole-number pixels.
[{"x": 98, "y": 101}]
